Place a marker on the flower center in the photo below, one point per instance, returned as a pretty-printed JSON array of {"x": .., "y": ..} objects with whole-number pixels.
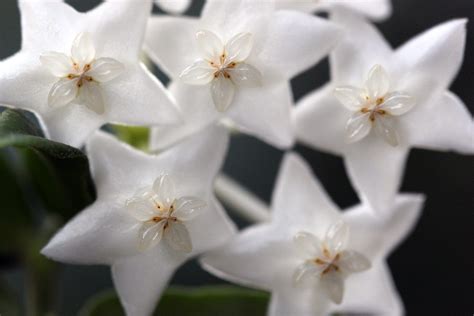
[
  {"x": 80, "y": 75},
  {"x": 328, "y": 262},
  {"x": 375, "y": 109}
]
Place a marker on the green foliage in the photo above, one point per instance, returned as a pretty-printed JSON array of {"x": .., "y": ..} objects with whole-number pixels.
[
  {"x": 202, "y": 301},
  {"x": 135, "y": 136}
]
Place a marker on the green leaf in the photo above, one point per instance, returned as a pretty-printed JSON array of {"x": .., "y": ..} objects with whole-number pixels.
[
  {"x": 9, "y": 303},
  {"x": 60, "y": 173},
  {"x": 182, "y": 301},
  {"x": 135, "y": 136}
]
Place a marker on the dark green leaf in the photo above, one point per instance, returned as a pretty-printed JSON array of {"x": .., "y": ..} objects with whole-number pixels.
[
  {"x": 135, "y": 136},
  {"x": 203, "y": 301},
  {"x": 9, "y": 303}
]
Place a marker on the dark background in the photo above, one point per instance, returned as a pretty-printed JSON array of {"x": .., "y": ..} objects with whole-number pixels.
[{"x": 432, "y": 269}]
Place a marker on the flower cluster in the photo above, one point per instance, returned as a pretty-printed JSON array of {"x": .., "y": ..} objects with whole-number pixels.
[{"x": 231, "y": 68}]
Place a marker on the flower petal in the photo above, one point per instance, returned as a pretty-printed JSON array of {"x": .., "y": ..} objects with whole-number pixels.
[
  {"x": 90, "y": 95},
  {"x": 398, "y": 103},
  {"x": 298, "y": 301},
  {"x": 188, "y": 207},
  {"x": 199, "y": 73},
  {"x": 337, "y": 236},
  {"x": 306, "y": 272},
  {"x": 313, "y": 36},
  {"x": 377, "y": 82},
  {"x": 358, "y": 126},
  {"x": 351, "y": 97},
  {"x": 58, "y": 64},
  {"x": 164, "y": 189},
  {"x": 385, "y": 128},
  {"x": 63, "y": 92},
  {"x": 150, "y": 234},
  {"x": 222, "y": 91},
  {"x": 140, "y": 208},
  {"x": 308, "y": 245},
  {"x": 245, "y": 75},
  {"x": 353, "y": 261},
  {"x": 333, "y": 286},
  {"x": 295, "y": 189},
  {"x": 239, "y": 47},
  {"x": 177, "y": 237},
  {"x": 173, "y": 6},
  {"x": 209, "y": 45},
  {"x": 105, "y": 69},
  {"x": 83, "y": 50}
]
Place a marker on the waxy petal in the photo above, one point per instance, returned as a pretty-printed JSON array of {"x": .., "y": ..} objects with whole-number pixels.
[
  {"x": 222, "y": 92},
  {"x": 239, "y": 47},
  {"x": 199, "y": 73},
  {"x": 398, "y": 103},
  {"x": 105, "y": 69},
  {"x": 307, "y": 273},
  {"x": 188, "y": 207},
  {"x": 83, "y": 50},
  {"x": 378, "y": 82},
  {"x": 333, "y": 285},
  {"x": 210, "y": 45},
  {"x": 90, "y": 95},
  {"x": 245, "y": 75},
  {"x": 351, "y": 97},
  {"x": 58, "y": 64},
  {"x": 336, "y": 237},
  {"x": 141, "y": 208},
  {"x": 150, "y": 234},
  {"x": 63, "y": 92},
  {"x": 165, "y": 190},
  {"x": 177, "y": 237},
  {"x": 385, "y": 128},
  {"x": 358, "y": 127},
  {"x": 353, "y": 261},
  {"x": 308, "y": 245}
]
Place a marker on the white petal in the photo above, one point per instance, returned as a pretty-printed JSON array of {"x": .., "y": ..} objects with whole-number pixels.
[
  {"x": 351, "y": 97},
  {"x": 63, "y": 92},
  {"x": 199, "y": 73},
  {"x": 239, "y": 47},
  {"x": 222, "y": 92},
  {"x": 357, "y": 127},
  {"x": 177, "y": 236},
  {"x": 245, "y": 75},
  {"x": 58, "y": 64},
  {"x": 105, "y": 69},
  {"x": 398, "y": 103},
  {"x": 90, "y": 95},
  {"x": 210, "y": 45},
  {"x": 140, "y": 208},
  {"x": 164, "y": 188},
  {"x": 307, "y": 244},
  {"x": 353, "y": 261},
  {"x": 377, "y": 82},
  {"x": 150, "y": 234},
  {"x": 174, "y": 6},
  {"x": 307, "y": 272},
  {"x": 83, "y": 50},
  {"x": 337, "y": 236},
  {"x": 188, "y": 207},
  {"x": 333, "y": 285},
  {"x": 296, "y": 41},
  {"x": 298, "y": 301},
  {"x": 385, "y": 127}
]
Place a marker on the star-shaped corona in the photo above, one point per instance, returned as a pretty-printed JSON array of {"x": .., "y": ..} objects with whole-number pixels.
[{"x": 80, "y": 75}]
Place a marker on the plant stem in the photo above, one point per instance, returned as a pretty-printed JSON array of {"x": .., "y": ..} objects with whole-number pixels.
[{"x": 241, "y": 200}]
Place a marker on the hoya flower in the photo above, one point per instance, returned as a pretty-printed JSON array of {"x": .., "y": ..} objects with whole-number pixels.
[
  {"x": 314, "y": 259},
  {"x": 152, "y": 214},
  {"x": 382, "y": 102},
  {"x": 374, "y": 9},
  {"x": 77, "y": 71},
  {"x": 173, "y": 6},
  {"x": 234, "y": 64}
]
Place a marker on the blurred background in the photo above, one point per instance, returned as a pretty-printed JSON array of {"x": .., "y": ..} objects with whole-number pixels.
[{"x": 433, "y": 269}]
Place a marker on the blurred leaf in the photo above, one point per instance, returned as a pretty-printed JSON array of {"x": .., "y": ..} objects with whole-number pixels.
[
  {"x": 181, "y": 301},
  {"x": 9, "y": 303},
  {"x": 59, "y": 172},
  {"x": 135, "y": 136}
]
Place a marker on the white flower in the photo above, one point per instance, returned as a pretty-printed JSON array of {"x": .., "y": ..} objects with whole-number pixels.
[
  {"x": 173, "y": 6},
  {"x": 374, "y": 9},
  {"x": 239, "y": 56},
  {"x": 162, "y": 214},
  {"x": 80, "y": 74},
  {"x": 306, "y": 257},
  {"x": 223, "y": 66},
  {"x": 77, "y": 71},
  {"x": 374, "y": 106},
  {"x": 404, "y": 99},
  {"x": 144, "y": 224}
]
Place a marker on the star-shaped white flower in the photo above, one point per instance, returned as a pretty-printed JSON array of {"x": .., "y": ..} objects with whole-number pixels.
[
  {"x": 234, "y": 64},
  {"x": 173, "y": 6},
  {"x": 381, "y": 102},
  {"x": 152, "y": 213},
  {"x": 77, "y": 71},
  {"x": 374, "y": 9},
  {"x": 314, "y": 259}
]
